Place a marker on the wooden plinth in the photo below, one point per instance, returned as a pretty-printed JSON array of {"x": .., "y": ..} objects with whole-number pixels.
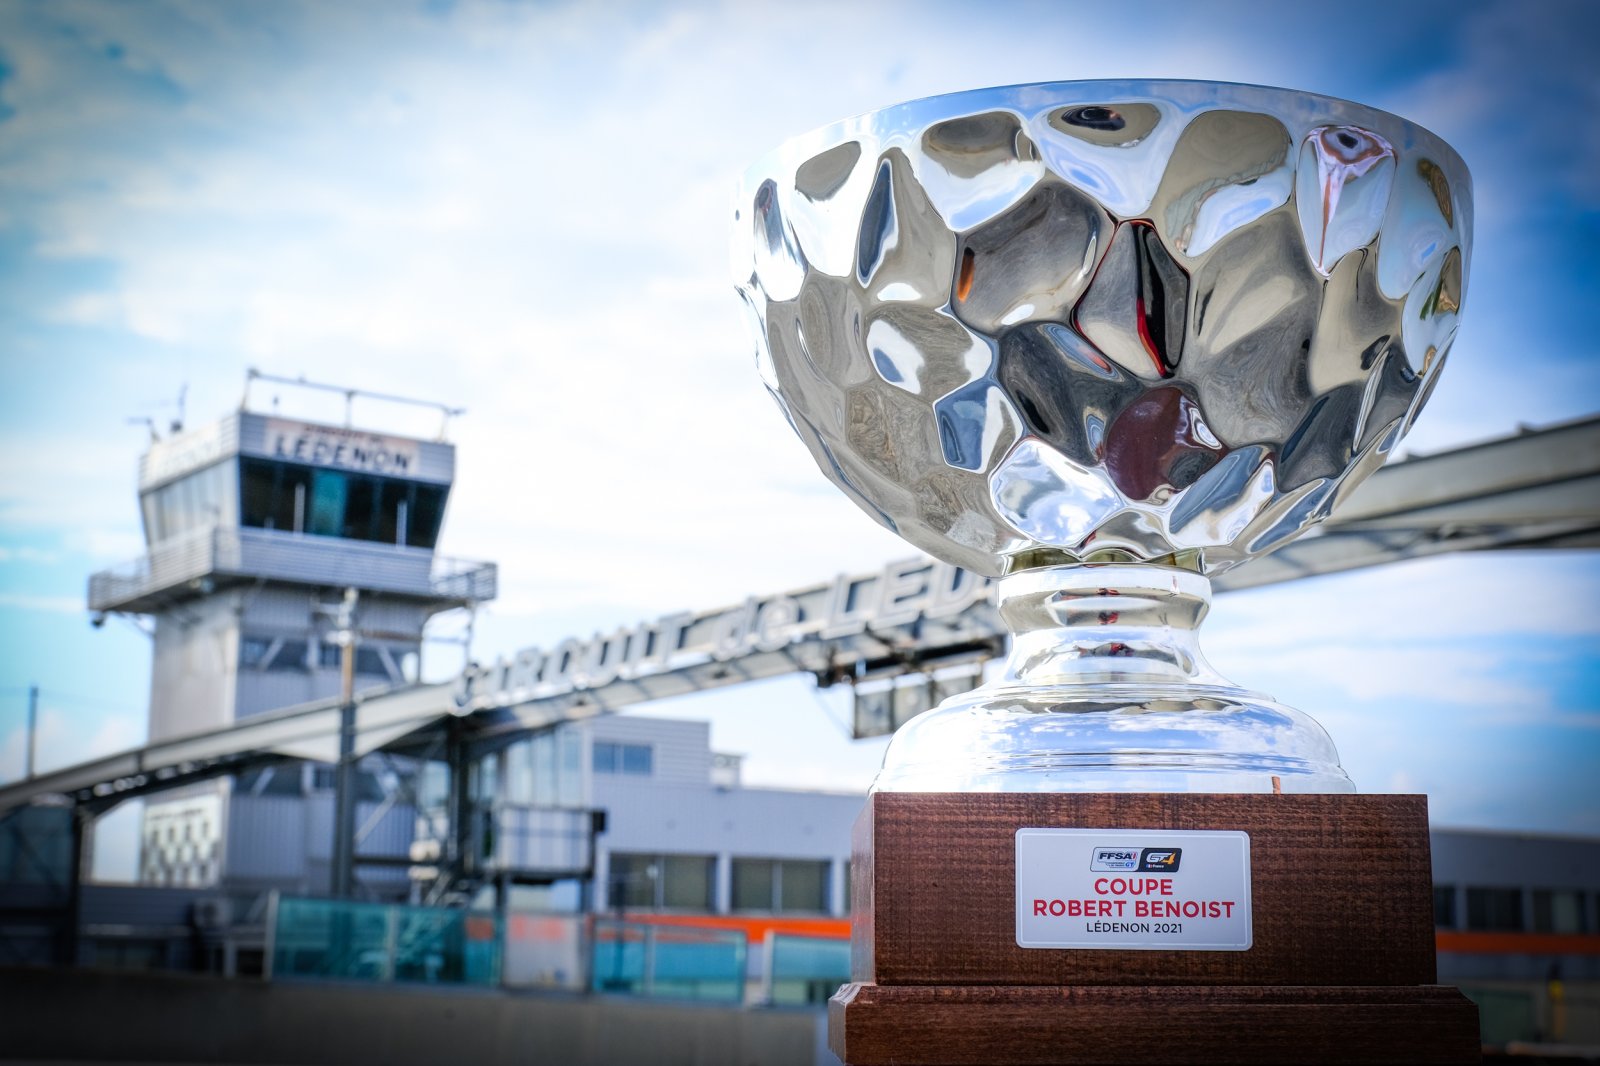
[
  {"x": 1341, "y": 968},
  {"x": 967, "y": 1025}
]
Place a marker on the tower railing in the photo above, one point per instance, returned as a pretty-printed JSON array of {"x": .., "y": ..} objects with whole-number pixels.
[{"x": 198, "y": 562}]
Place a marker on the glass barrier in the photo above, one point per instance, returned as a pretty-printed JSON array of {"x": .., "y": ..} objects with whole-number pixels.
[
  {"x": 1505, "y": 1015},
  {"x": 639, "y": 959},
  {"x": 545, "y": 951},
  {"x": 805, "y": 970},
  {"x": 346, "y": 940}
]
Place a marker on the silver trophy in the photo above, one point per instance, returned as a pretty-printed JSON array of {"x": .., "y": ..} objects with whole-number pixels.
[{"x": 1101, "y": 340}]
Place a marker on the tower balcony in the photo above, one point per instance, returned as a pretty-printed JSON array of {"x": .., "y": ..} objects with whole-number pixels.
[{"x": 201, "y": 562}]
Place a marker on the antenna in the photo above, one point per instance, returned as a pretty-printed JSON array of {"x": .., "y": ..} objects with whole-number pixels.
[
  {"x": 253, "y": 375},
  {"x": 177, "y": 423}
]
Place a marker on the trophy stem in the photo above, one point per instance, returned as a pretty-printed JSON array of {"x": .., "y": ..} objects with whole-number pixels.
[
  {"x": 1106, "y": 690},
  {"x": 1106, "y": 624}
]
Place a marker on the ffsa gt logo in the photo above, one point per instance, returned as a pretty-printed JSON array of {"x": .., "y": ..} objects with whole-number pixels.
[
  {"x": 1115, "y": 860},
  {"x": 1136, "y": 860}
]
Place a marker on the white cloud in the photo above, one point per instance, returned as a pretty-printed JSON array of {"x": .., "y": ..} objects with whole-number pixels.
[
  {"x": 52, "y": 604},
  {"x": 1473, "y": 594},
  {"x": 71, "y": 484},
  {"x": 1463, "y": 678},
  {"x": 68, "y": 733},
  {"x": 27, "y": 554}
]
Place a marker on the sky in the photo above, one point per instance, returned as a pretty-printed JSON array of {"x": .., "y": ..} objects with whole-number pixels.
[{"x": 522, "y": 209}]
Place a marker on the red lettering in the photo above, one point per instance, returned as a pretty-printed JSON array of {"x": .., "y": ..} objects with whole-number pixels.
[
  {"x": 1057, "y": 908},
  {"x": 1188, "y": 908},
  {"x": 1133, "y": 886},
  {"x": 1039, "y": 906}
]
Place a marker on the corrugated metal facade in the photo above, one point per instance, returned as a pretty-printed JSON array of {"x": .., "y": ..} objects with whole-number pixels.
[
  {"x": 286, "y": 842},
  {"x": 139, "y": 905}
]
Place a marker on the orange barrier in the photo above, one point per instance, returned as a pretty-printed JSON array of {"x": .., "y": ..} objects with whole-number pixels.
[
  {"x": 1474, "y": 943},
  {"x": 755, "y": 928},
  {"x": 1459, "y": 942}
]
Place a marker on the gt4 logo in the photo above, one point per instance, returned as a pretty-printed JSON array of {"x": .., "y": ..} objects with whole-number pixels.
[{"x": 1160, "y": 860}]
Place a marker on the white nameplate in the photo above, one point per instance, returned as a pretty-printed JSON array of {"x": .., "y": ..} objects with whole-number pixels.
[{"x": 1140, "y": 889}]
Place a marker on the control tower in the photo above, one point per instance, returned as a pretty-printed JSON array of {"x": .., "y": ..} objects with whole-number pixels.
[{"x": 257, "y": 527}]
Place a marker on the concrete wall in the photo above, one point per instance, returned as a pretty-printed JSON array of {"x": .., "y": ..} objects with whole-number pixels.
[
  {"x": 194, "y": 666},
  {"x": 107, "y": 1017}
]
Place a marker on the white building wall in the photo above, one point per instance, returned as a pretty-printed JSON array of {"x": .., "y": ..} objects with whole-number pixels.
[
  {"x": 193, "y": 668},
  {"x": 680, "y": 750},
  {"x": 646, "y": 818},
  {"x": 753, "y": 822},
  {"x": 677, "y": 809}
]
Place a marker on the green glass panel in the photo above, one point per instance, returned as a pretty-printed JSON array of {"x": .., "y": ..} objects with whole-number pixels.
[
  {"x": 379, "y": 942},
  {"x": 807, "y": 970},
  {"x": 669, "y": 962}
]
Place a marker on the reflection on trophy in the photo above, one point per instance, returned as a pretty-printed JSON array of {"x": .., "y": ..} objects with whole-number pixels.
[{"x": 1101, "y": 340}]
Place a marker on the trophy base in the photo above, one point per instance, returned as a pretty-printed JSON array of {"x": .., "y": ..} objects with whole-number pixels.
[
  {"x": 968, "y": 1025},
  {"x": 1115, "y": 738},
  {"x": 1336, "y": 962},
  {"x": 1105, "y": 690}
]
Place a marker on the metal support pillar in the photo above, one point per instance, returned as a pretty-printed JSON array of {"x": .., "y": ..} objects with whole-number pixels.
[
  {"x": 459, "y": 808},
  {"x": 342, "y": 874},
  {"x": 33, "y": 730},
  {"x": 68, "y": 942},
  {"x": 344, "y": 806}
]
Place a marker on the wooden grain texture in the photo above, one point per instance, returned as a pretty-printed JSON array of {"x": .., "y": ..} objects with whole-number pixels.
[
  {"x": 1341, "y": 886},
  {"x": 875, "y": 1025}
]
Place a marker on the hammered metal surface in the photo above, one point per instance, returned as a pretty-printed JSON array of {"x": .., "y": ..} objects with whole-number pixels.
[{"x": 1135, "y": 320}]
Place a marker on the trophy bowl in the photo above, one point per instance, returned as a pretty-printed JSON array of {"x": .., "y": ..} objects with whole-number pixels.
[{"x": 1101, "y": 340}]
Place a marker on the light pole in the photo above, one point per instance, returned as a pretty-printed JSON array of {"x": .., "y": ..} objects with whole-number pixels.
[{"x": 344, "y": 801}]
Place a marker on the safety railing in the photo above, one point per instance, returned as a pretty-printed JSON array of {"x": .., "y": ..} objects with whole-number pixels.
[
  {"x": 804, "y": 970},
  {"x": 173, "y": 568},
  {"x": 670, "y": 962},
  {"x": 358, "y": 941}
]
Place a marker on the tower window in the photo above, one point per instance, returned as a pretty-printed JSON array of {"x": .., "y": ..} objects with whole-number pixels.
[
  {"x": 291, "y": 655},
  {"x": 1558, "y": 911},
  {"x": 369, "y": 660},
  {"x": 1494, "y": 909},
  {"x": 661, "y": 882},
  {"x": 780, "y": 885},
  {"x": 272, "y": 653},
  {"x": 336, "y": 503},
  {"x": 613, "y": 758}
]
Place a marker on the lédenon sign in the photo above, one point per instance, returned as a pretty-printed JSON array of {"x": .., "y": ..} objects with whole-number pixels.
[{"x": 346, "y": 449}]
